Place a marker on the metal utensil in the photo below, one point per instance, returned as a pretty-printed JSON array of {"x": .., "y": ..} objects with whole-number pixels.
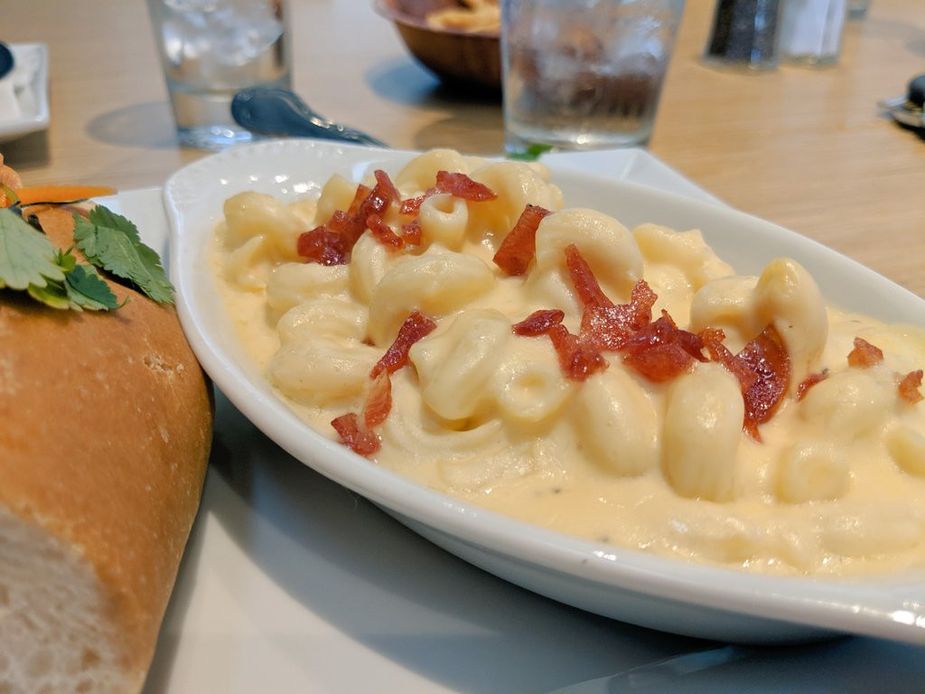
[
  {"x": 908, "y": 109},
  {"x": 279, "y": 112},
  {"x": 6, "y": 60}
]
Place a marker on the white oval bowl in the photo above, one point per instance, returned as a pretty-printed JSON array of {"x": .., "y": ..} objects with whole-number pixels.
[{"x": 628, "y": 585}]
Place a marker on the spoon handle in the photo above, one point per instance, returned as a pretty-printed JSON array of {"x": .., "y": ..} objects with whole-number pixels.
[{"x": 279, "y": 112}]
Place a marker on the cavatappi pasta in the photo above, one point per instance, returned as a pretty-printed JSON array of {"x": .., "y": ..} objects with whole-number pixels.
[{"x": 830, "y": 481}]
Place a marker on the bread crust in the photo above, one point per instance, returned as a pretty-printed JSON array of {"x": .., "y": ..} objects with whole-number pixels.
[{"x": 105, "y": 429}]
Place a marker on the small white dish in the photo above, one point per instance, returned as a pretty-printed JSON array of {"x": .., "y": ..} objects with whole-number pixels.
[
  {"x": 627, "y": 585},
  {"x": 28, "y": 87}
]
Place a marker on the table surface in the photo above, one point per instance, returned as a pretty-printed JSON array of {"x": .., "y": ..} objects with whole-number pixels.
[{"x": 806, "y": 148}]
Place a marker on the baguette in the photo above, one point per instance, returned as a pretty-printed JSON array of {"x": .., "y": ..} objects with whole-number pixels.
[{"x": 105, "y": 428}]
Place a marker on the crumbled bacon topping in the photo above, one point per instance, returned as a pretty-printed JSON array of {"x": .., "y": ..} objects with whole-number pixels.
[
  {"x": 517, "y": 250},
  {"x": 577, "y": 360},
  {"x": 458, "y": 185},
  {"x": 383, "y": 233},
  {"x": 767, "y": 357},
  {"x": 357, "y": 431},
  {"x": 378, "y": 401},
  {"x": 909, "y": 387},
  {"x": 413, "y": 205},
  {"x": 331, "y": 242},
  {"x": 323, "y": 245},
  {"x": 864, "y": 355},
  {"x": 661, "y": 351},
  {"x": 411, "y": 233},
  {"x": 583, "y": 279},
  {"x": 357, "y": 438},
  {"x": 539, "y": 322},
  {"x": 809, "y": 382},
  {"x": 416, "y": 326},
  {"x": 762, "y": 369},
  {"x": 713, "y": 342},
  {"x": 609, "y": 327}
]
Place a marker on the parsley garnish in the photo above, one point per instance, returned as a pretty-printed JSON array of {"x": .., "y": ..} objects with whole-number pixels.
[
  {"x": 531, "y": 153},
  {"x": 27, "y": 258},
  {"x": 111, "y": 241},
  {"x": 29, "y": 262}
]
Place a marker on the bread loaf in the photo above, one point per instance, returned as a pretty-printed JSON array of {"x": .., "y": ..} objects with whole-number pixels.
[{"x": 105, "y": 428}]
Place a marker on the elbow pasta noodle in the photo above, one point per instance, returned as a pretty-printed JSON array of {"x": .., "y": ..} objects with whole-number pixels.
[
  {"x": 606, "y": 244},
  {"x": 612, "y": 407},
  {"x": 435, "y": 283},
  {"x": 702, "y": 431},
  {"x": 443, "y": 220},
  {"x": 291, "y": 284},
  {"x": 454, "y": 365},
  {"x": 831, "y": 482},
  {"x": 528, "y": 385},
  {"x": 517, "y": 185}
]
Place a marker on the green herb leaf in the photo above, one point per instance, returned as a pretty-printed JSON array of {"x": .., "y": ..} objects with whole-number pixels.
[
  {"x": 87, "y": 290},
  {"x": 65, "y": 260},
  {"x": 111, "y": 241},
  {"x": 53, "y": 294},
  {"x": 531, "y": 153},
  {"x": 27, "y": 257}
]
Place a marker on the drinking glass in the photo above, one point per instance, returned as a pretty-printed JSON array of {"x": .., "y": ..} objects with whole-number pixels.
[
  {"x": 209, "y": 50},
  {"x": 584, "y": 74}
]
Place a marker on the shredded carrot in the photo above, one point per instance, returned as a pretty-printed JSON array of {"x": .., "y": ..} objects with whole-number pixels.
[{"x": 29, "y": 195}]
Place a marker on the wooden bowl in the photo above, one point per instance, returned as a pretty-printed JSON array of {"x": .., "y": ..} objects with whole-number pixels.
[{"x": 454, "y": 56}]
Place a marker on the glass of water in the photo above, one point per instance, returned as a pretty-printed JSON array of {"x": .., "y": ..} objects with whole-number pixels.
[
  {"x": 584, "y": 74},
  {"x": 210, "y": 49}
]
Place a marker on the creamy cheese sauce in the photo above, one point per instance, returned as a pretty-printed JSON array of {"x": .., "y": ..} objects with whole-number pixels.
[{"x": 835, "y": 487}]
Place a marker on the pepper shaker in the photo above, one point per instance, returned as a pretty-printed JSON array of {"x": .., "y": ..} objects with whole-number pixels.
[{"x": 744, "y": 34}]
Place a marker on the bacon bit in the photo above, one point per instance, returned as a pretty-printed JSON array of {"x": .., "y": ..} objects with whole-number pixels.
[
  {"x": 456, "y": 184},
  {"x": 519, "y": 246},
  {"x": 578, "y": 361},
  {"x": 809, "y": 382},
  {"x": 539, "y": 322},
  {"x": 324, "y": 245},
  {"x": 661, "y": 351},
  {"x": 909, "y": 387},
  {"x": 359, "y": 196},
  {"x": 413, "y": 205},
  {"x": 416, "y": 326},
  {"x": 609, "y": 327},
  {"x": 656, "y": 352},
  {"x": 713, "y": 342},
  {"x": 762, "y": 369},
  {"x": 383, "y": 233},
  {"x": 358, "y": 439},
  {"x": 583, "y": 279},
  {"x": 864, "y": 355},
  {"x": 461, "y": 186},
  {"x": 348, "y": 227},
  {"x": 331, "y": 243},
  {"x": 386, "y": 186},
  {"x": 660, "y": 363},
  {"x": 411, "y": 233},
  {"x": 767, "y": 357},
  {"x": 378, "y": 401}
]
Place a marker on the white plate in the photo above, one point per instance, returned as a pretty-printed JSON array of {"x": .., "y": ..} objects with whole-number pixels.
[
  {"x": 33, "y": 94},
  {"x": 628, "y": 585}
]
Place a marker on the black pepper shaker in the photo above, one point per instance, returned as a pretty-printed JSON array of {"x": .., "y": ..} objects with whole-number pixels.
[{"x": 744, "y": 34}]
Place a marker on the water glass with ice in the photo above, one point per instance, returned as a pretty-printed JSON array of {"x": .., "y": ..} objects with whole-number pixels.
[
  {"x": 209, "y": 50},
  {"x": 584, "y": 74}
]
